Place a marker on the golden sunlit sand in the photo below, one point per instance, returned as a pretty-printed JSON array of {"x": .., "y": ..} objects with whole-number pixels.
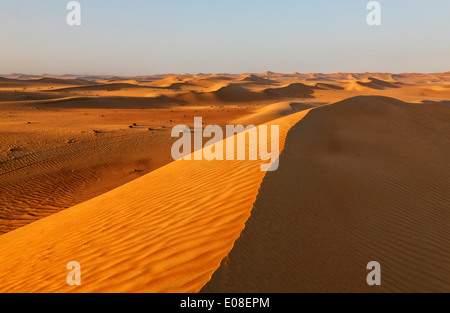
[{"x": 164, "y": 232}]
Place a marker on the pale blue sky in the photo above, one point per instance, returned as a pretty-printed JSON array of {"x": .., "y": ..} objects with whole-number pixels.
[{"x": 138, "y": 37}]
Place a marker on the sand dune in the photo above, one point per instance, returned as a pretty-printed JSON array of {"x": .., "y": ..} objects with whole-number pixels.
[
  {"x": 258, "y": 80},
  {"x": 218, "y": 77},
  {"x": 295, "y": 90},
  {"x": 419, "y": 78},
  {"x": 39, "y": 183},
  {"x": 58, "y": 160},
  {"x": 230, "y": 93},
  {"x": 365, "y": 179},
  {"x": 235, "y": 93},
  {"x": 155, "y": 234},
  {"x": 58, "y": 81},
  {"x": 110, "y": 102},
  {"x": 12, "y": 96},
  {"x": 100, "y": 87},
  {"x": 329, "y": 86},
  {"x": 45, "y": 80},
  {"x": 378, "y": 84},
  {"x": 168, "y": 81}
]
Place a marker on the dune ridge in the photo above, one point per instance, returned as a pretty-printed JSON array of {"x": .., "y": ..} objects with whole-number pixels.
[{"x": 164, "y": 232}]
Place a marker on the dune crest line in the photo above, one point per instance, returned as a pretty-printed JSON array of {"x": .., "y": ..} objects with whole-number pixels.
[{"x": 164, "y": 232}]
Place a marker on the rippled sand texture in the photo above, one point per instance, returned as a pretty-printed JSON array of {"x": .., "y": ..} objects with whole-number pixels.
[
  {"x": 165, "y": 232},
  {"x": 365, "y": 179}
]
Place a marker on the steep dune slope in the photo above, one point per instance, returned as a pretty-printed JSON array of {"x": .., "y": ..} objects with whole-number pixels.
[{"x": 365, "y": 179}]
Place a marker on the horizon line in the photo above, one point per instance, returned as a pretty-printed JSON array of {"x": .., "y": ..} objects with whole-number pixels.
[{"x": 222, "y": 73}]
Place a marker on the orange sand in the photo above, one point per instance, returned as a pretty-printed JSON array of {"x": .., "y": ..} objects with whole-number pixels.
[
  {"x": 361, "y": 179},
  {"x": 164, "y": 232}
]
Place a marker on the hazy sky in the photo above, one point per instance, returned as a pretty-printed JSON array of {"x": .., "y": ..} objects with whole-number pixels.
[{"x": 133, "y": 37}]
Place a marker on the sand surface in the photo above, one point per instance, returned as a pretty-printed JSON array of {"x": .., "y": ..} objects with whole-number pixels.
[
  {"x": 164, "y": 232},
  {"x": 365, "y": 179},
  {"x": 361, "y": 179}
]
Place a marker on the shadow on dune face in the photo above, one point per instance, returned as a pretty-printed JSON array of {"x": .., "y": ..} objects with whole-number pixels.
[
  {"x": 295, "y": 90},
  {"x": 445, "y": 102},
  {"x": 379, "y": 84},
  {"x": 259, "y": 80},
  {"x": 362, "y": 180},
  {"x": 329, "y": 86},
  {"x": 114, "y": 102}
]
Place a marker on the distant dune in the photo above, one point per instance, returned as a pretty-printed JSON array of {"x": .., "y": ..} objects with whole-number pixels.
[
  {"x": 378, "y": 84},
  {"x": 295, "y": 90},
  {"x": 258, "y": 80},
  {"x": 18, "y": 83},
  {"x": 230, "y": 93},
  {"x": 329, "y": 86},
  {"x": 111, "y": 102},
  {"x": 100, "y": 87},
  {"x": 49, "y": 80}
]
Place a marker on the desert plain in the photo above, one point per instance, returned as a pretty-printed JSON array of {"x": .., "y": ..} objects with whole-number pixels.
[{"x": 86, "y": 175}]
